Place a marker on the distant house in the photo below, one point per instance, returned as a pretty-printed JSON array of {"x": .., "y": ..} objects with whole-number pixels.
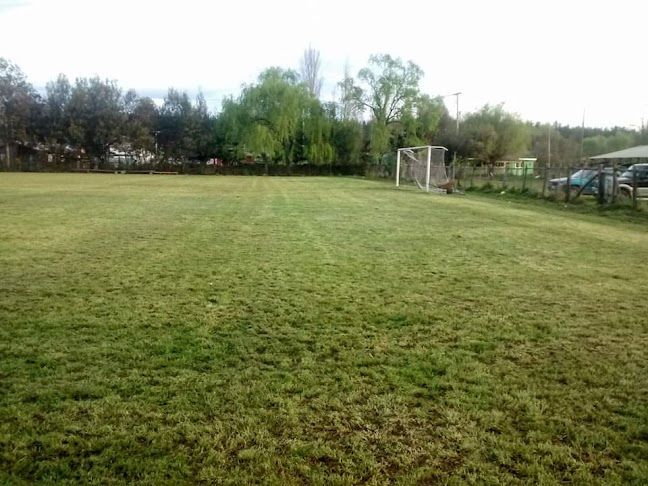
[
  {"x": 215, "y": 162},
  {"x": 516, "y": 166},
  {"x": 509, "y": 165},
  {"x": 22, "y": 156},
  {"x": 120, "y": 158}
]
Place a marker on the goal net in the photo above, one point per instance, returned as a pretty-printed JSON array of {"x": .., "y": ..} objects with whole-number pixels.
[{"x": 423, "y": 166}]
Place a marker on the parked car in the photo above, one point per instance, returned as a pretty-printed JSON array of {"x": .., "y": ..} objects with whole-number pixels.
[
  {"x": 580, "y": 178},
  {"x": 626, "y": 181}
]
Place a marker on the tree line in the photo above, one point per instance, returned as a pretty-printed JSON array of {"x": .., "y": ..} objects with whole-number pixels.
[{"x": 278, "y": 119}]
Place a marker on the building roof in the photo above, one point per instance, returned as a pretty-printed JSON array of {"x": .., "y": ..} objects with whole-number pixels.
[
  {"x": 638, "y": 152},
  {"x": 516, "y": 158}
]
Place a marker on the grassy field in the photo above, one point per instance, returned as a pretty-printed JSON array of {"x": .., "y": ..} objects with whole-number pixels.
[{"x": 174, "y": 330}]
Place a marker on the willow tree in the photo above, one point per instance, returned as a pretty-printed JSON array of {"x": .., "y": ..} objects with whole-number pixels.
[
  {"x": 494, "y": 133},
  {"x": 230, "y": 131},
  {"x": 387, "y": 87},
  {"x": 273, "y": 111},
  {"x": 317, "y": 129},
  {"x": 420, "y": 121},
  {"x": 260, "y": 140}
]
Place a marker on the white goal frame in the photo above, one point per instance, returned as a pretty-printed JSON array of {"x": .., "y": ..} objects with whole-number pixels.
[{"x": 429, "y": 158}]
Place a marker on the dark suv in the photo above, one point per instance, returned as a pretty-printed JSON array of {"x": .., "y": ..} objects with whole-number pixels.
[{"x": 626, "y": 181}]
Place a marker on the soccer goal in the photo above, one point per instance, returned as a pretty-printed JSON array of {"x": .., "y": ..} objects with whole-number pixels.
[{"x": 423, "y": 166}]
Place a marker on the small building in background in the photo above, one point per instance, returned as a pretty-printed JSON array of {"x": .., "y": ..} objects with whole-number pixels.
[
  {"x": 516, "y": 166},
  {"x": 624, "y": 157}
]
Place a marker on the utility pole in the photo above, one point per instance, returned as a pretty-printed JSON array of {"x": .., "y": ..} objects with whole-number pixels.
[
  {"x": 457, "y": 95},
  {"x": 454, "y": 156},
  {"x": 580, "y": 157},
  {"x": 549, "y": 148},
  {"x": 546, "y": 170},
  {"x": 457, "y": 105}
]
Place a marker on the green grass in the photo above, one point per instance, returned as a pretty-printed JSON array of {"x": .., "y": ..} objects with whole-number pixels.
[
  {"x": 235, "y": 330},
  {"x": 516, "y": 188},
  {"x": 621, "y": 210}
]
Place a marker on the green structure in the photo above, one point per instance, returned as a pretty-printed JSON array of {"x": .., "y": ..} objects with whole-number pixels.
[{"x": 518, "y": 166}]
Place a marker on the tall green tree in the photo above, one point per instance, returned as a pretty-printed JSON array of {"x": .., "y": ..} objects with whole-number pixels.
[
  {"x": 201, "y": 132},
  {"x": 447, "y": 136},
  {"x": 564, "y": 150},
  {"x": 141, "y": 124},
  {"x": 19, "y": 105},
  {"x": 494, "y": 133},
  {"x": 57, "y": 115},
  {"x": 175, "y": 131},
  {"x": 96, "y": 116},
  {"x": 420, "y": 121},
  {"x": 387, "y": 87},
  {"x": 348, "y": 141},
  {"x": 611, "y": 142},
  {"x": 229, "y": 131},
  {"x": 272, "y": 110},
  {"x": 317, "y": 129}
]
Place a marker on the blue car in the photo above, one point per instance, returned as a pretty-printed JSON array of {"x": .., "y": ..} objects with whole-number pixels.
[{"x": 580, "y": 178}]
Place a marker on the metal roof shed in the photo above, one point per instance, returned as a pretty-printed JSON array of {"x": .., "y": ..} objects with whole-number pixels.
[{"x": 638, "y": 152}]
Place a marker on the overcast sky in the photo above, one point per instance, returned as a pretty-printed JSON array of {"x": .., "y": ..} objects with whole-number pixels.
[{"x": 547, "y": 60}]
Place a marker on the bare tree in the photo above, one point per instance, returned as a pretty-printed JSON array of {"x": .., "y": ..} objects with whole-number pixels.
[
  {"x": 310, "y": 71},
  {"x": 350, "y": 109}
]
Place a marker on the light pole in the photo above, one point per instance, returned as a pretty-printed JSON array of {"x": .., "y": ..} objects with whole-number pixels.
[
  {"x": 457, "y": 98},
  {"x": 454, "y": 156},
  {"x": 549, "y": 148},
  {"x": 457, "y": 104},
  {"x": 580, "y": 154}
]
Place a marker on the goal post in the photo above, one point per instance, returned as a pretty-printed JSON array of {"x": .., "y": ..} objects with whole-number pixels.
[
  {"x": 397, "y": 168},
  {"x": 424, "y": 166},
  {"x": 427, "y": 169}
]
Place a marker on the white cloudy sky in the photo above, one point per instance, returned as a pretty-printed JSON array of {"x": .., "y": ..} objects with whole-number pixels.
[{"x": 546, "y": 59}]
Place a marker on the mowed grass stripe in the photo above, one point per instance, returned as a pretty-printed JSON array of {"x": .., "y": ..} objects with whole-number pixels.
[{"x": 329, "y": 331}]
